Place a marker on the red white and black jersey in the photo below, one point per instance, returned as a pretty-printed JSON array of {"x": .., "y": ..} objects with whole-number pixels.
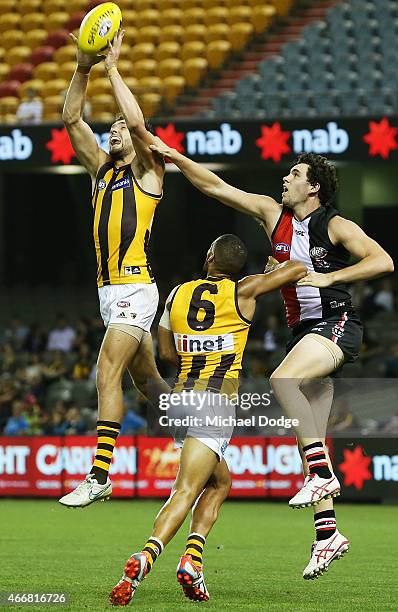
[{"x": 308, "y": 241}]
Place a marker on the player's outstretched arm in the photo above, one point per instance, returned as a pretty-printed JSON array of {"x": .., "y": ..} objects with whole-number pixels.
[
  {"x": 82, "y": 137},
  {"x": 262, "y": 207},
  {"x": 279, "y": 275},
  {"x": 132, "y": 112},
  {"x": 373, "y": 261}
]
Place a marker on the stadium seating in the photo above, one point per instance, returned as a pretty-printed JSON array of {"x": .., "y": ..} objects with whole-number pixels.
[
  {"x": 344, "y": 65},
  {"x": 176, "y": 41}
]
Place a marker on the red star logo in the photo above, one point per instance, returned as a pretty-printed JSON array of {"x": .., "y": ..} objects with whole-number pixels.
[
  {"x": 60, "y": 147},
  {"x": 171, "y": 137},
  {"x": 381, "y": 138},
  {"x": 273, "y": 142},
  {"x": 355, "y": 468}
]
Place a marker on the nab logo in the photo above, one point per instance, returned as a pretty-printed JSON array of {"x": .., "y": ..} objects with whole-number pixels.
[
  {"x": 203, "y": 344},
  {"x": 215, "y": 142},
  {"x": 17, "y": 146},
  {"x": 282, "y": 247},
  {"x": 332, "y": 140}
]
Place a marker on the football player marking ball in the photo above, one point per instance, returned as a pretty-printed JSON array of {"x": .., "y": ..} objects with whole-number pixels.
[{"x": 99, "y": 26}]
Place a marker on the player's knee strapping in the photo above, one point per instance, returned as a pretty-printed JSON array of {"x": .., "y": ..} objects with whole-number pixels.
[
  {"x": 195, "y": 546},
  {"x": 108, "y": 432}
]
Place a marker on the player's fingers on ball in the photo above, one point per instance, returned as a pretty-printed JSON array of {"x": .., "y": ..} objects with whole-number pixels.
[{"x": 73, "y": 37}]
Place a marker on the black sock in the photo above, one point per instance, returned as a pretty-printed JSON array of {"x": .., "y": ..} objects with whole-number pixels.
[
  {"x": 316, "y": 459},
  {"x": 325, "y": 524}
]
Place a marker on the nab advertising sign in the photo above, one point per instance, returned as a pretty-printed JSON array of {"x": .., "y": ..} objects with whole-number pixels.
[
  {"x": 367, "y": 468},
  {"x": 254, "y": 142}
]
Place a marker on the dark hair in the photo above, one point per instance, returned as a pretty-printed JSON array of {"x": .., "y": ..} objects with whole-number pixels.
[
  {"x": 320, "y": 171},
  {"x": 230, "y": 254}
]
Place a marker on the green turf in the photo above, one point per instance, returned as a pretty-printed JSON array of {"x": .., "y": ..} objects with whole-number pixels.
[{"x": 253, "y": 559}]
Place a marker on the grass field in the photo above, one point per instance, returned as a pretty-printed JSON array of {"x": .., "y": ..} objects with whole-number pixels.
[{"x": 253, "y": 558}]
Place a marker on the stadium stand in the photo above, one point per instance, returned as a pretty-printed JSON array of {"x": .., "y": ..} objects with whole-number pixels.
[
  {"x": 165, "y": 40},
  {"x": 341, "y": 65}
]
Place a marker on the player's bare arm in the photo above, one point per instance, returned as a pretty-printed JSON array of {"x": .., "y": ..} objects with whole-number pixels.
[
  {"x": 264, "y": 208},
  {"x": 373, "y": 259},
  {"x": 82, "y": 137},
  {"x": 167, "y": 349},
  {"x": 275, "y": 277},
  {"x": 148, "y": 166}
]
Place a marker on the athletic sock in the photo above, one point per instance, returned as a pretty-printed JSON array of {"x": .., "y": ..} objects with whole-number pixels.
[
  {"x": 152, "y": 549},
  {"x": 325, "y": 524},
  {"x": 108, "y": 432},
  {"x": 194, "y": 547},
  {"x": 316, "y": 459}
]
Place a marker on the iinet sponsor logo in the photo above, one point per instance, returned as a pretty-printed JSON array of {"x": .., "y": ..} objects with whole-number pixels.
[
  {"x": 186, "y": 343},
  {"x": 52, "y": 460},
  {"x": 284, "y": 459}
]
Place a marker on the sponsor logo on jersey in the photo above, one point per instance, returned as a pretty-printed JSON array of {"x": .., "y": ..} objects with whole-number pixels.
[
  {"x": 129, "y": 270},
  {"x": 299, "y": 232},
  {"x": 122, "y": 184},
  {"x": 123, "y": 304},
  {"x": 121, "y": 315},
  {"x": 101, "y": 185},
  {"x": 282, "y": 247},
  {"x": 187, "y": 343},
  {"x": 318, "y": 253}
]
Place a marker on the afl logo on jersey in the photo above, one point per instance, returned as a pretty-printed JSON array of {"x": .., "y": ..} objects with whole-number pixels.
[
  {"x": 318, "y": 253},
  {"x": 101, "y": 185},
  {"x": 282, "y": 247}
]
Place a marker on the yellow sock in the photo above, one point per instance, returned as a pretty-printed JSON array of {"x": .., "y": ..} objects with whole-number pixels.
[
  {"x": 194, "y": 547},
  {"x": 108, "y": 432}
]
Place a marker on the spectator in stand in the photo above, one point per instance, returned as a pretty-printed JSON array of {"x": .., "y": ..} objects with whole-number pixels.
[
  {"x": 75, "y": 425},
  {"x": 82, "y": 368},
  {"x": 16, "y": 333},
  {"x": 384, "y": 296},
  {"x": 8, "y": 393},
  {"x": 272, "y": 334},
  {"x": 56, "y": 368},
  {"x": 342, "y": 419},
  {"x": 30, "y": 110},
  {"x": 36, "y": 339},
  {"x": 62, "y": 337},
  {"x": 17, "y": 424}
]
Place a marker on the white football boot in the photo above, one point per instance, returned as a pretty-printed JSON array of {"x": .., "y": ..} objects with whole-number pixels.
[
  {"x": 314, "y": 490},
  {"x": 190, "y": 577},
  {"x": 87, "y": 492},
  {"x": 323, "y": 553},
  {"x": 135, "y": 571}
]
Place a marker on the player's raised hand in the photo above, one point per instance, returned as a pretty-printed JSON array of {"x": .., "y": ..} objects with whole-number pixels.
[
  {"x": 83, "y": 59},
  {"x": 271, "y": 264},
  {"x": 316, "y": 279},
  {"x": 160, "y": 147},
  {"x": 112, "y": 57}
]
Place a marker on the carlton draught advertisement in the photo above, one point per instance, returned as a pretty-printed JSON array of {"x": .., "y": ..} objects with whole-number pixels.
[{"x": 144, "y": 467}]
